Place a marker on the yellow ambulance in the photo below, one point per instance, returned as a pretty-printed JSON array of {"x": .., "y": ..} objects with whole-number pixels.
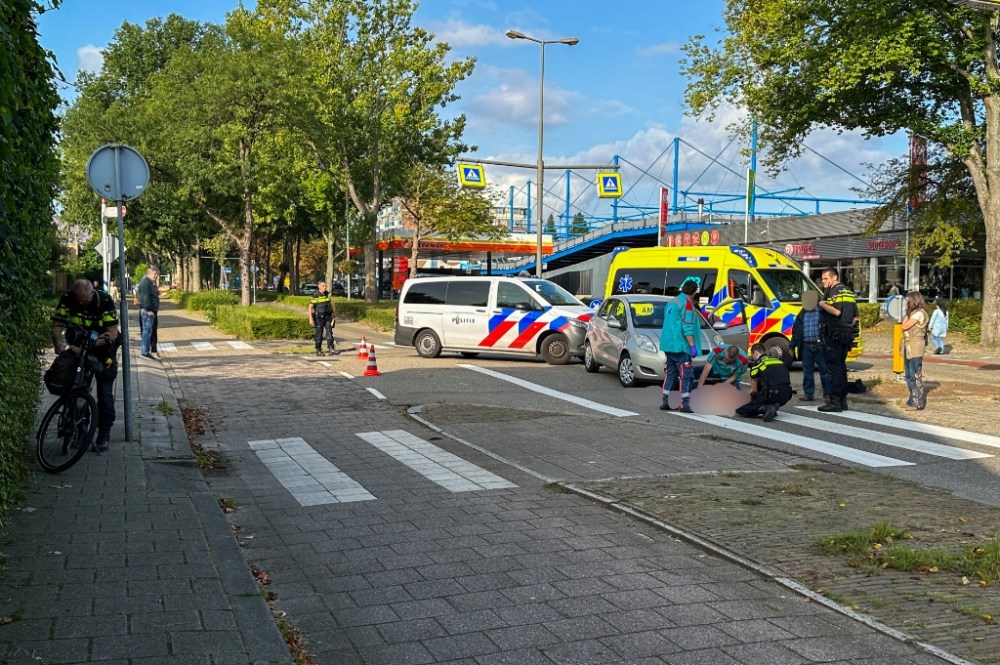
[{"x": 762, "y": 285}]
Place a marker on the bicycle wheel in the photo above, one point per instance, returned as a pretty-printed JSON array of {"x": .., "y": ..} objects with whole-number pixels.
[{"x": 67, "y": 431}]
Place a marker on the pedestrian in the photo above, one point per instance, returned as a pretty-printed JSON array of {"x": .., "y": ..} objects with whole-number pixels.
[
  {"x": 113, "y": 292},
  {"x": 808, "y": 348},
  {"x": 939, "y": 325},
  {"x": 838, "y": 317},
  {"x": 94, "y": 311},
  {"x": 148, "y": 297},
  {"x": 727, "y": 363},
  {"x": 770, "y": 385},
  {"x": 323, "y": 318},
  {"x": 98, "y": 285},
  {"x": 677, "y": 341},
  {"x": 914, "y": 344}
]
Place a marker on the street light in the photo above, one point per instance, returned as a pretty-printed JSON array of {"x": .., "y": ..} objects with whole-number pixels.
[{"x": 568, "y": 41}]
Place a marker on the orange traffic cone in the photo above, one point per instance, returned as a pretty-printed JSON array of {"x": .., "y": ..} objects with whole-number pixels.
[
  {"x": 372, "y": 369},
  {"x": 363, "y": 349}
]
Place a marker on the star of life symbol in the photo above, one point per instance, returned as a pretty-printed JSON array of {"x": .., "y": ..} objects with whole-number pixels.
[{"x": 625, "y": 284}]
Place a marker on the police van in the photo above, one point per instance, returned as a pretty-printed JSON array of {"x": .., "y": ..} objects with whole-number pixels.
[{"x": 472, "y": 315}]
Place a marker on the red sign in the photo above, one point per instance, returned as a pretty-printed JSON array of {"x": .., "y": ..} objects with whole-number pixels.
[
  {"x": 664, "y": 215},
  {"x": 714, "y": 237},
  {"x": 400, "y": 271},
  {"x": 670, "y": 241},
  {"x": 695, "y": 238},
  {"x": 800, "y": 250},
  {"x": 883, "y": 245},
  {"x": 687, "y": 239}
]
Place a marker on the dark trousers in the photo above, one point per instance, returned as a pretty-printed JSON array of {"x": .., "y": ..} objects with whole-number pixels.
[
  {"x": 759, "y": 404},
  {"x": 835, "y": 354},
  {"x": 152, "y": 335},
  {"x": 106, "y": 396},
  {"x": 324, "y": 324},
  {"x": 812, "y": 360}
]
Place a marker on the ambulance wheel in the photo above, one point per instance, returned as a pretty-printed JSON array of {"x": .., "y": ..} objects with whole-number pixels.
[
  {"x": 589, "y": 362},
  {"x": 428, "y": 345},
  {"x": 555, "y": 349},
  {"x": 626, "y": 371},
  {"x": 470, "y": 354},
  {"x": 778, "y": 347}
]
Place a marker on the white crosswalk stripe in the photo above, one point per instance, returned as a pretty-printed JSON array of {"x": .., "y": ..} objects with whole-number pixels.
[
  {"x": 243, "y": 346},
  {"x": 203, "y": 346},
  {"x": 438, "y": 465},
  {"x": 924, "y": 428},
  {"x": 809, "y": 443},
  {"x": 166, "y": 347},
  {"x": 311, "y": 478},
  {"x": 895, "y": 440}
]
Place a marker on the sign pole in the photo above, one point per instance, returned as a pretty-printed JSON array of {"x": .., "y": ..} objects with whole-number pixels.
[
  {"x": 106, "y": 256},
  {"x": 123, "y": 313}
]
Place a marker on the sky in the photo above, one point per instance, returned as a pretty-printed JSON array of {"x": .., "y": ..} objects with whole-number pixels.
[{"x": 618, "y": 92}]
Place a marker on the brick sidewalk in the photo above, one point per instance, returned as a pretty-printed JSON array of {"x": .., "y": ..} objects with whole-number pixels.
[{"x": 127, "y": 559}]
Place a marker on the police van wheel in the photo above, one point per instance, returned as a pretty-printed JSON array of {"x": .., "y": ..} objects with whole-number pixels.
[
  {"x": 428, "y": 345},
  {"x": 589, "y": 362},
  {"x": 555, "y": 349},
  {"x": 626, "y": 371},
  {"x": 781, "y": 350}
]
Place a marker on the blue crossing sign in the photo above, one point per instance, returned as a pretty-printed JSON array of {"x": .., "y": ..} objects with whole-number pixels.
[
  {"x": 471, "y": 175},
  {"x": 609, "y": 185}
]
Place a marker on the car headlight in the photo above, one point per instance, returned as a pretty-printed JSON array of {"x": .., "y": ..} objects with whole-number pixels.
[
  {"x": 645, "y": 343},
  {"x": 576, "y": 323},
  {"x": 717, "y": 340}
]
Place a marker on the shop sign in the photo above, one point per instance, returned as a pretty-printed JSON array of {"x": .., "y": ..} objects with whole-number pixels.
[
  {"x": 805, "y": 251},
  {"x": 883, "y": 245}
]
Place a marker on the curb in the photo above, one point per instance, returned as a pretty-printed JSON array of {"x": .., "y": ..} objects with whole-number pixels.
[{"x": 750, "y": 562}]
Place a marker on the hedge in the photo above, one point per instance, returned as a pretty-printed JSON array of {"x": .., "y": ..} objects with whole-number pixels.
[
  {"x": 29, "y": 173},
  {"x": 252, "y": 323},
  {"x": 869, "y": 313},
  {"x": 381, "y": 316},
  {"x": 965, "y": 316},
  {"x": 202, "y": 301}
]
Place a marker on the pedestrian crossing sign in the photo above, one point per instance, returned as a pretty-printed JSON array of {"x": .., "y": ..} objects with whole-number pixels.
[
  {"x": 471, "y": 175},
  {"x": 609, "y": 185}
]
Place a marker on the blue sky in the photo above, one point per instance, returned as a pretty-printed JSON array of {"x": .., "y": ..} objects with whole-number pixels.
[{"x": 617, "y": 92}]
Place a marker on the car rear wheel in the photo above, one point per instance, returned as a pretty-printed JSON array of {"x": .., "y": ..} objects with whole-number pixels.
[
  {"x": 626, "y": 371},
  {"x": 555, "y": 349},
  {"x": 427, "y": 344},
  {"x": 589, "y": 362},
  {"x": 779, "y": 347}
]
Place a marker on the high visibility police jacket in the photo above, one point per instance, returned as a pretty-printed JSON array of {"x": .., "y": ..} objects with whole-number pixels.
[
  {"x": 322, "y": 306},
  {"x": 98, "y": 315},
  {"x": 770, "y": 374},
  {"x": 842, "y": 299}
]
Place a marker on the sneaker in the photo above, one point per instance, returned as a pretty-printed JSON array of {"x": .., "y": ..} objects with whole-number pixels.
[
  {"x": 770, "y": 411},
  {"x": 685, "y": 409},
  {"x": 148, "y": 355},
  {"x": 666, "y": 407}
]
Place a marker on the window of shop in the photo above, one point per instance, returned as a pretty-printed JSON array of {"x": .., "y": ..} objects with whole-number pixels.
[
  {"x": 967, "y": 279},
  {"x": 891, "y": 275},
  {"x": 934, "y": 281},
  {"x": 856, "y": 274}
]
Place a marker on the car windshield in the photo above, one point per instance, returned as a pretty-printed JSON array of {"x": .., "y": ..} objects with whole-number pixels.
[
  {"x": 553, "y": 294},
  {"x": 787, "y": 285},
  {"x": 647, "y": 314}
]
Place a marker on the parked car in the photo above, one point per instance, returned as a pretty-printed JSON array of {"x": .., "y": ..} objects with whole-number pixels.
[
  {"x": 309, "y": 289},
  {"x": 624, "y": 335},
  {"x": 337, "y": 289},
  {"x": 476, "y": 314}
]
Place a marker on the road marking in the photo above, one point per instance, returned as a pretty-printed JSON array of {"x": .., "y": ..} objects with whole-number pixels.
[
  {"x": 166, "y": 347},
  {"x": 376, "y": 393},
  {"x": 311, "y": 478},
  {"x": 447, "y": 470},
  {"x": 566, "y": 397},
  {"x": 325, "y": 364},
  {"x": 937, "y": 430},
  {"x": 239, "y": 345},
  {"x": 918, "y": 445},
  {"x": 345, "y": 374},
  {"x": 843, "y": 452},
  {"x": 203, "y": 346}
]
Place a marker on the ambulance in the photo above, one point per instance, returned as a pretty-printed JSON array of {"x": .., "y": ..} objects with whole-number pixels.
[
  {"x": 761, "y": 284},
  {"x": 472, "y": 315}
]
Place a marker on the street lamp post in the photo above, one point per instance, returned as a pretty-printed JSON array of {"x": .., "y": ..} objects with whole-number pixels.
[{"x": 569, "y": 41}]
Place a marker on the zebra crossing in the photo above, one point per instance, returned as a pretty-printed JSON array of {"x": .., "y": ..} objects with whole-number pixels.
[
  {"x": 171, "y": 347},
  {"x": 841, "y": 434},
  {"x": 313, "y": 480}
]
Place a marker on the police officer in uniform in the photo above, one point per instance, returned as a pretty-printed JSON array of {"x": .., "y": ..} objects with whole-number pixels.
[
  {"x": 770, "y": 385},
  {"x": 322, "y": 318},
  {"x": 94, "y": 311},
  {"x": 837, "y": 329}
]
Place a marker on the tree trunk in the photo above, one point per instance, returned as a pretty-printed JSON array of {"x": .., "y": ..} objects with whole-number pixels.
[
  {"x": 371, "y": 264},
  {"x": 267, "y": 262},
  {"x": 990, "y": 324},
  {"x": 179, "y": 278},
  {"x": 414, "y": 251},
  {"x": 196, "y": 267},
  {"x": 331, "y": 246},
  {"x": 298, "y": 264}
]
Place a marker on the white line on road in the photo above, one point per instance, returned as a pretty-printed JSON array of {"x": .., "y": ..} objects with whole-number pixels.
[
  {"x": 243, "y": 346},
  {"x": 918, "y": 445},
  {"x": 447, "y": 470},
  {"x": 836, "y": 450},
  {"x": 566, "y": 397},
  {"x": 345, "y": 374},
  {"x": 203, "y": 346},
  {"x": 166, "y": 347},
  {"x": 937, "y": 430},
  {"x": 311, "y": 478},
  {"x": 325, "y": 364},
  {"x": 376, "y": 393}
]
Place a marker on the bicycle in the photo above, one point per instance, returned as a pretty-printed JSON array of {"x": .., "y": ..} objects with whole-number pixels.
[{"x": 74, "y": 413}]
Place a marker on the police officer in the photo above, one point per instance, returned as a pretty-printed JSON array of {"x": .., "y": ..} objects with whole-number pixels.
[
  {"x": 94, "y": 311},
  {"x": 322, "y": 317},
  {"x": 770, "y": 385},
  {"x": 837, "y": 329}
]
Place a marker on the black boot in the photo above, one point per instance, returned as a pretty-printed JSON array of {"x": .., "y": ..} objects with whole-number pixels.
[
  {"x": 103, "y": 437},
  {"x": 833, "y": 407},
  {"x": 843, "y": 403},
  {"x": 319, "y": 352},
  {"x": 770, "y": 411}
]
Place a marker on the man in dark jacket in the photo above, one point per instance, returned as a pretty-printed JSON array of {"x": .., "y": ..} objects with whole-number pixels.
[
  {"x": 149, "y": 310},
  {"x": 838, "y": 319},
  {"x": 807, "y": 347},
  {"x": 322, "y": 318}
]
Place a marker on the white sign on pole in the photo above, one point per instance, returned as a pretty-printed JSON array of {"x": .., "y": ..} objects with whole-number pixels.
[
  {"x": 112, "y": 213},
  {"x": 103, "y": 246}
]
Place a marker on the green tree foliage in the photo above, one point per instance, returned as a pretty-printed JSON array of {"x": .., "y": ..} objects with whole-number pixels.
[
  {"x": 435, "y": 205},
  {"x": 550, "y": 225},
  {"x": 926, "y": 67},
  {"x": 29, "y": 171},
  {"x": 579, "y": 225}
]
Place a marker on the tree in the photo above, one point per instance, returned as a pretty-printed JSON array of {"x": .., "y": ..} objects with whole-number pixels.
[
  {"x": 550, "y": 225},
  {"x": 879, "y": 66},
  {"x": 435, "y": 205},
  {"x": 580, "y": 226},
  {"x": 376, "y": 86}
]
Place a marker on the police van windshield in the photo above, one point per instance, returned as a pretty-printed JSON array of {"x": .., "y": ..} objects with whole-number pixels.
[
  {"x": 553, "y": 294},
  {"x": 787, "y": 285}
]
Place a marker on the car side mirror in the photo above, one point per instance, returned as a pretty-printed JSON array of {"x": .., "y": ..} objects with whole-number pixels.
[
  {"x": 759, "y": 299},
  {"x": 615, "y": 323},
  {"x": 720, "y": 325},
  {"x": 522, "y": 307}
]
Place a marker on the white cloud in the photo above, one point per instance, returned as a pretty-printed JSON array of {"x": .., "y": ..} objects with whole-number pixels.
[
  {"x": 660, "y": 49},
  {"x": 460, "y": 34},
  {"x": 90, "y": 58}
]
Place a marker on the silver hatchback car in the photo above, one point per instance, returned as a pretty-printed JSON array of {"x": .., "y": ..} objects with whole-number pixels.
[{"x": 624, "y": 335}]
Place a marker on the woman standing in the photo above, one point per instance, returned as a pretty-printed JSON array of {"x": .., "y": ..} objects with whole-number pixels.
[
  {"x": 914, "y": 344},
  {"x": 939, "y": 325}
]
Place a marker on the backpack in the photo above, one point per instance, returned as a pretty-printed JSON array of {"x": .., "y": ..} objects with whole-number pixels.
[{"x": 61, "y": 373}]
